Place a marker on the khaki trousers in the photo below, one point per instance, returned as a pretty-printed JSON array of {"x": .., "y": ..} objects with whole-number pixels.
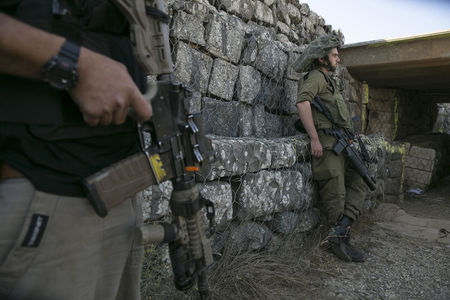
[{"x": 55, "y": 247}]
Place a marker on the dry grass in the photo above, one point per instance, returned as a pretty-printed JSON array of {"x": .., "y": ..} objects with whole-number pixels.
[{"x": 282, "y": 274}]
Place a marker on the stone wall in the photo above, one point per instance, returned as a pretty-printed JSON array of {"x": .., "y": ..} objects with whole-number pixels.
[{"x": 236, "y": 57}]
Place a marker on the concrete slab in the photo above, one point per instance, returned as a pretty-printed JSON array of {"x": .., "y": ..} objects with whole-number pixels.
[{"x": 414, "y": 62}]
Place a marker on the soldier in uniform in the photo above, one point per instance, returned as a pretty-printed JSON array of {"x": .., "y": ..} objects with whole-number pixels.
[{"x": 341, "y": 189}]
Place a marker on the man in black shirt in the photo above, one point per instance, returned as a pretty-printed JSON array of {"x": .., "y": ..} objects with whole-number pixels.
[{"x": 66, "y": 85}]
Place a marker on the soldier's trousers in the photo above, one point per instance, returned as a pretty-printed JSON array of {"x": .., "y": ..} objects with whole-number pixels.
[
  {"x": 341, "y": 189},
  {"x": 55, "y": 247}
]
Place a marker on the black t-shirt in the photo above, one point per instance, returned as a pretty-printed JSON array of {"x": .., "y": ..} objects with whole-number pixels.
[
  {"x": 58, "y": 166},
  {"x": 56, "y": 155}
]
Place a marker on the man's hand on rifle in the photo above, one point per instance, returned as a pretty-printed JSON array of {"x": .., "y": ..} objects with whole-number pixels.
[{"x": 105, "y": 91}]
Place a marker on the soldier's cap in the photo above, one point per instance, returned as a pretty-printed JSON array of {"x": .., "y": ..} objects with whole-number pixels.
[{"x": 318, "y": 48}]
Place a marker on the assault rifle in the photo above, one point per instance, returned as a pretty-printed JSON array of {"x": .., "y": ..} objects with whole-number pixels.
[
  {"x": 345, "y": 142},
  {"x": 174, "y": 147}
]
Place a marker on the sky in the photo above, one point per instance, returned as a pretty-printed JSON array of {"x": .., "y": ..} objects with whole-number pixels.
[{"x": 367, "y": 20}]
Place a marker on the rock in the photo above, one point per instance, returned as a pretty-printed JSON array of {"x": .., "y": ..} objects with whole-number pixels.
[
  {"x": 192, "y": 67},
  {"x": 284, "y": 223},
  {"x": 221, "y": 195},
  {"x": 155, "y": 204},
  {"x": 220, "y": 118},
  {"x": 304, "y": 10},
  {"x": 242, "y": 8},
  {"x": 237, "y": 156},
  {"x": 268, "y": 192},
  {"x": 223, "y": 78},
  {"x": 225, "y": 36},
  {"x": 265, "y": 124},
  {"x": 308, "y": 220},
  {"x": 263, "y": 13},
  {"x": 193, "y": 102},
  {"x": 189, "y": 28},
  {"x": 290, "y": 97},
  {"x": 248, "y": 84},
  {"x": 249, "y": 236},
  {"x": 294, "y": 13}
]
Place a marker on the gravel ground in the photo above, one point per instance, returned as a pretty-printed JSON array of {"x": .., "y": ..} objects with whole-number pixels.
[{"x": 397, "y": 266}]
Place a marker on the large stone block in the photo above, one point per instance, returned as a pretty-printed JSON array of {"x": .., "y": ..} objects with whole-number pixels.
[
  {"x": 290, "y": 93},
  {"x": 225, "y": 36},
  {"x": 223, "y": 78},
  {"x": 237, "y": 156},
  {"x": 248, "y": 84},
  {"x": 264, "y": 54},
  {"x": 263, "y": 13},
  {"x": 192, "y": 67},
  {"x": 221, "y": 195},
  {"x": 245, "y": 120},
  {"x": 220, "y": 118},
  {"x": 188, "y": 27},
  {"x": 243, "y": 8},
  {"x": 268, "y": 192},
  {"x": 193, "y": 102},
  {"x": 417, "y": 176},
  {"x": 425, "y": 153},
  {"x": 199, "y": 8},
  {"x": 419, "y": 163},
  {"x": 266, "y": 125},
  {"x": 287, "y": 124},
  {"x": 271, "y": 94}
]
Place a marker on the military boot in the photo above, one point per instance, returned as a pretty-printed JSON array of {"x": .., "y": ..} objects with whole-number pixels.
[
  {"x": 355, "y": 255},
  {"x": 335, "y": 239}
]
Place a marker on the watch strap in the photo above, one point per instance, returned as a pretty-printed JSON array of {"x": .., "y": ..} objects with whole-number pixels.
[{"x": 71, "y": 51}]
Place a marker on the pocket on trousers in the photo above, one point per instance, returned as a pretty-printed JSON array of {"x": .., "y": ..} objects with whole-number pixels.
[
  {"x": 24, "y": 246},
  {"x": 325, "y": 167}
]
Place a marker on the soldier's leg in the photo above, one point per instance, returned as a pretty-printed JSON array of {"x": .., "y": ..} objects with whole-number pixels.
[
  {"x": 355, "y": 196},
  {"x": 355, "y": 189},
  {"x": 328, "y": 172}
]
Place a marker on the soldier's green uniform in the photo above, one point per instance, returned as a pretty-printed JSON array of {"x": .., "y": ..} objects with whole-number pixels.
[{"x": 341, "y": 189}]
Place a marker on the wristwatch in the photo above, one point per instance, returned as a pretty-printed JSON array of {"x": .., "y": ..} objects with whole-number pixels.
[{"x": 61, "y": 70}]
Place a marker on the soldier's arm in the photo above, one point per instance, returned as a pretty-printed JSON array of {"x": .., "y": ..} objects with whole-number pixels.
[
  {"x": 307, "y": 91},
  {"x": 104, "y": 91},
  {"x": 304, "y": 111}
]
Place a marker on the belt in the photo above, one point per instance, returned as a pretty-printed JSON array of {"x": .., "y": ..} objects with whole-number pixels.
[{"x": 7, "y": 172}]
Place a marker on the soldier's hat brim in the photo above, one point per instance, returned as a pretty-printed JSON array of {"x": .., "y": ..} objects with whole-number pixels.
[{"x": 318, "y": 48}]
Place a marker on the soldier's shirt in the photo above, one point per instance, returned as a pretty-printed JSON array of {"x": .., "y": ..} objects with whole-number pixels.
[{"x": 320, "y": 84}]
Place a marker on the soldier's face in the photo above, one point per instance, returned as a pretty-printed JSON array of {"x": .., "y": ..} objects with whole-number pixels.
[{"x": 333, "y": 58}]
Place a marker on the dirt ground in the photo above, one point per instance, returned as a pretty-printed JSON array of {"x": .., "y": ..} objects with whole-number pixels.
[
  {"x": 408, "y": 254},
  {"x": 408, "y": 257}
]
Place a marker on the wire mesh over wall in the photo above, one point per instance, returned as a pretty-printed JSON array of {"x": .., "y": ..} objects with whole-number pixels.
[{"x": 236, "y": 58}]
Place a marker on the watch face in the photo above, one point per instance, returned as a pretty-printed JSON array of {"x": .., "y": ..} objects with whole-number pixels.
[
  {"x": 60, "y": 75},
  {"x": 61, "y": 70}
]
